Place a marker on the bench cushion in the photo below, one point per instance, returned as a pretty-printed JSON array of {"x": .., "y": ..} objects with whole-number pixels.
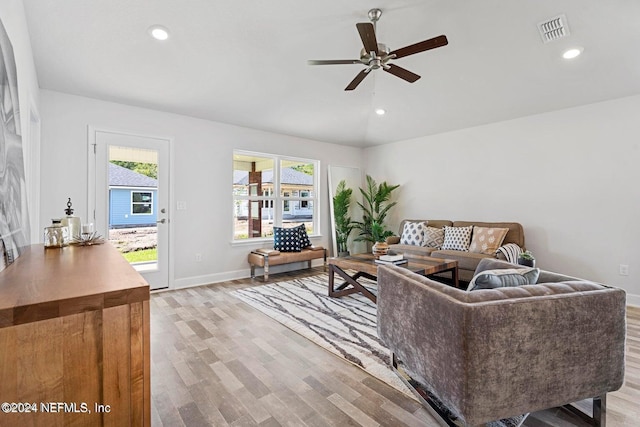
[{"x": 312, "y": 252}]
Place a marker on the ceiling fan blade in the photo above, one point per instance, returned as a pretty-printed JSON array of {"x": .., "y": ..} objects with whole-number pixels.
[
  {"x": 368, "y": 36},
  {"x": 420, "y": 47},
  {"x": 333, "y": 61},
  {"x": 359, "y": 78},
  {"x": 402, "y": 73}
]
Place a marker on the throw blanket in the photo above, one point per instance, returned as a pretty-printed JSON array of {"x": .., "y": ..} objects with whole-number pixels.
[{"x": 511, "y": 251}]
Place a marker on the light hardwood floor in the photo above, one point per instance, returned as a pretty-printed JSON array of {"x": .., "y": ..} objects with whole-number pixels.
[{"x": 215, "y": 361}]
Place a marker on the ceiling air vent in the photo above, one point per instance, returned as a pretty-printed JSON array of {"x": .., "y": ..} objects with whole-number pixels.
[{"x": 554, "y": 28}]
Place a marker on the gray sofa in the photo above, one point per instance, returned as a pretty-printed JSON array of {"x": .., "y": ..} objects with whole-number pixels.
[
  {"x": 467, "y": 261},
  {"x": 495, "y": 353}
]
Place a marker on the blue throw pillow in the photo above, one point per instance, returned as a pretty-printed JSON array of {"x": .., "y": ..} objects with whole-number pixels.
[
  {"x": 501, "y": 278},
  {"x": 304, "y": 237},
  {"x": 286, "y": 239}
]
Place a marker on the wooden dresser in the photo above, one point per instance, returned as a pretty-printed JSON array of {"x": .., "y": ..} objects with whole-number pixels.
[{"x": 74, "y": 339}]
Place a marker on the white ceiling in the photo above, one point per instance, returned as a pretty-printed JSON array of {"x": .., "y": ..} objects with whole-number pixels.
[{"x": 244, "y": 62}]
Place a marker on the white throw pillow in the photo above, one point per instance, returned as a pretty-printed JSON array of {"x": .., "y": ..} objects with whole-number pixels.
[
  {"x": 457, "y": 238},
  {"x": 412, "y": 233}
]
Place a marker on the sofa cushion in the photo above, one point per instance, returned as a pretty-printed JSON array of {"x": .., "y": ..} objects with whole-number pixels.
[
  {"x": 304, "y": 237},
  {"x": 457, "y": 238},
  {"x": 433, "y": 237},
  {"x": 413, "y": 233},
  {"x": 411, "y": 249},
  {"x": 506, "y": 277},
  {"x": 487, "y": 240},
  {"x": 286, "y": 239}
]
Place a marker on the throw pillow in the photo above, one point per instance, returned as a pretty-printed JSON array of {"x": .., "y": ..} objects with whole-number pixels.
[
  {"x": 501, "y": 278},
  {"x": 433, "y": 237},
  {"x": 304, "y": 237},
  {"x": 487, "y": 240},
  {"x": 412, "y": 233},
  {"x": 286, "y": 239},
  {"x": 457, "y": 238}
]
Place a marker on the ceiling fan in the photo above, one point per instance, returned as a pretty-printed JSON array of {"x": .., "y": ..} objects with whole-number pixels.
[{"x": 377, "y": 55}]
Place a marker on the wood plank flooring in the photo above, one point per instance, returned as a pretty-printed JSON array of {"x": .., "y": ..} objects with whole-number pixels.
[{"x": 215, "y": 361}]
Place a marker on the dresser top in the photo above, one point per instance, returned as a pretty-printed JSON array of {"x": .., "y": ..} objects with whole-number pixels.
[{"x": 47, "y": 283}]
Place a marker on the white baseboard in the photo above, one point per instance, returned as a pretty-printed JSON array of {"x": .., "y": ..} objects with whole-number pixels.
[
  {"x": 207, "y": 279},
  {"x": 633, "y": 299}
]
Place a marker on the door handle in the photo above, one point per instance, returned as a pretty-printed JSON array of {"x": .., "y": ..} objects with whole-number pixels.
[{"x": 162, "y": 221}]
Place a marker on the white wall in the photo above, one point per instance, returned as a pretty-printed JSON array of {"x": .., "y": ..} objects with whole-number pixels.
[
  {"x": 570, "y": 177},
  {"x": 14, "y": 21},
  {"x": 202, "y": 175}
]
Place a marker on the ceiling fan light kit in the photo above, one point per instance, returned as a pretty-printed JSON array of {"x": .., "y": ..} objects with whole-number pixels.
[{"x": 376, "y": 55}]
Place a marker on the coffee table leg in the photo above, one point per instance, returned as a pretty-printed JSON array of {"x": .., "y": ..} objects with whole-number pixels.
[
  {"x": 349, "y": 280},
  {"x": 454, "y": 276},
  {"x": 331, "y": 280}
]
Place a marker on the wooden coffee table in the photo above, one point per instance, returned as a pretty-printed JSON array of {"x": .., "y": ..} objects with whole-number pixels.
[{"x": 365, "y": 266}]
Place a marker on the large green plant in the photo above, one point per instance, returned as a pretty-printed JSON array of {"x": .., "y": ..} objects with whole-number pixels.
[
  {"x": 344, "y": 225},
  {"x": 375, "y": 206}
]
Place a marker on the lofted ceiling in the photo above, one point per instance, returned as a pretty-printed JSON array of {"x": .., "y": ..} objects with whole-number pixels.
[{"x": 245, "y": 62}]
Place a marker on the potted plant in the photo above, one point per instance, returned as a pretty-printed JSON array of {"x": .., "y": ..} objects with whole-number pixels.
[
  {"x": 379, "y": 235},
  {"x": 527, "y": 258},
  {"x": 344, "y": 225},
  {"x": 375, "y": 206}
]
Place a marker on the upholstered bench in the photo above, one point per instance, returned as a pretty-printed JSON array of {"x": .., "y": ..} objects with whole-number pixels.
[{"x": 266, "y": 258}]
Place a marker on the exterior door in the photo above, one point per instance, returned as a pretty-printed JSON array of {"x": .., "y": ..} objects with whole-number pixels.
[{"x": 131, "y": 199}]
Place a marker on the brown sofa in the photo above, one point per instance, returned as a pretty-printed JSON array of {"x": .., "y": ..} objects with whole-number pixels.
[
  {"x": 495, "y": 353},
  {"x": 467, "y": 261}
]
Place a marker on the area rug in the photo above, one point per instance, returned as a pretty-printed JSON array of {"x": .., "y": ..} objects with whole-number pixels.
[{"x": 345, "y": 326}]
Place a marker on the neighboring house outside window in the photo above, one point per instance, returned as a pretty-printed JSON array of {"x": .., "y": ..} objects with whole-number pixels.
[{"x": 270, "y": 190}]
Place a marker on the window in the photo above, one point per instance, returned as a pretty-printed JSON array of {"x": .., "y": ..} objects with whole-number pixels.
[
  {"x": 141, "y": 202},
  {"x": 273, "y": 191}
]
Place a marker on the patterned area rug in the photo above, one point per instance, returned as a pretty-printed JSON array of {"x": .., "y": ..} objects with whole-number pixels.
[{"x": 345, "y": 326}]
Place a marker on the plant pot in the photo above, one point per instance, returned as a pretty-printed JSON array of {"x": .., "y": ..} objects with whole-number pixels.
[
  {"x": 343, "y": 254},
  {"x": 527, "y": 262},
  {"x": 380, "y": 248}
]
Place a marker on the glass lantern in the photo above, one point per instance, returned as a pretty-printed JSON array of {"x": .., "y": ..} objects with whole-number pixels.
[{"x": 56, "y": 235}]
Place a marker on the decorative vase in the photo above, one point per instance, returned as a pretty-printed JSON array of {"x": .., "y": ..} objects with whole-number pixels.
[
  {"x": 71, "y": 222},
  {"x": 380, "y": 248},
  {"x": 56, "y": 235}
]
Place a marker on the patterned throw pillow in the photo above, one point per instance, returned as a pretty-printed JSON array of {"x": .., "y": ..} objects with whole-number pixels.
[
  {"x": 457, "y": 238},
  {"x": 502, "y": 278},
  {"x": 412, "y": 233},
  {"x": 433, "y": 237},
  {"x": 304, "y": 237},
  {"x": 286, "y": 239},
  {"x": 487, "y": 240}
]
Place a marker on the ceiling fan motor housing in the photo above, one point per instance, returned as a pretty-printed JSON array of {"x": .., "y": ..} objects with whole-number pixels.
[{"x": 366, "y": 57}]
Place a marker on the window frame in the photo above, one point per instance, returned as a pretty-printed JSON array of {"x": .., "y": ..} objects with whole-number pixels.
[
  {"x": 276, "y": 199},
  {"x": 132, "y": 202}
]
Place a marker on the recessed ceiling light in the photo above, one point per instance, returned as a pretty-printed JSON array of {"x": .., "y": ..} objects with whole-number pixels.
[
  {"x": 572, "y": 53},
  {"x": 380, "y": 111},
  {"x": 158, "y": 32}
]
